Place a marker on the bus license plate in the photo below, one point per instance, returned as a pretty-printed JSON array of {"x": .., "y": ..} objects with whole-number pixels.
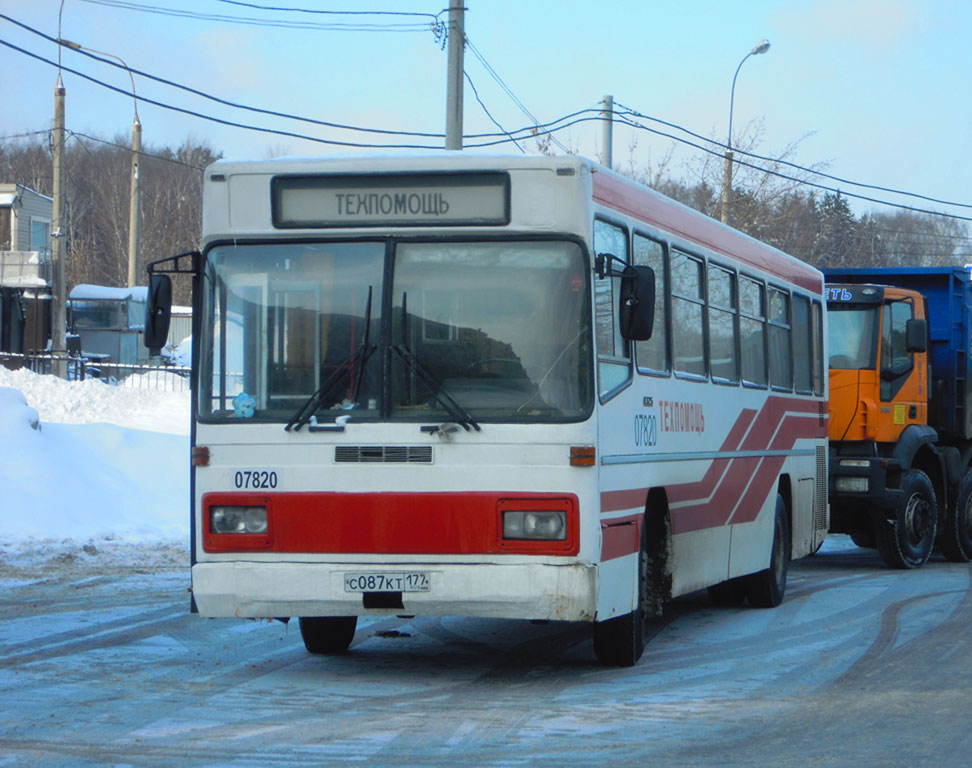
[{"x": 413, "y": 581}]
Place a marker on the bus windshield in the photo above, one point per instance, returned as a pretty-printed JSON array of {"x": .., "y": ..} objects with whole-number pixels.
[
  {"x": 410, "y": 331},
  {"x": 852, "y": 336}
]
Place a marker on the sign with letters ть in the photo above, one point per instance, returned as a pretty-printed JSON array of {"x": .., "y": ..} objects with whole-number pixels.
[{"x": 313, "y": 202}]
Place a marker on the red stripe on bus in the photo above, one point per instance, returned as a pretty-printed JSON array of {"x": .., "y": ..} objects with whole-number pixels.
[
  {"x": 393, "y": 523},
  {"x": 741, "y": 484},
  {"x": 682, "y": 221}
]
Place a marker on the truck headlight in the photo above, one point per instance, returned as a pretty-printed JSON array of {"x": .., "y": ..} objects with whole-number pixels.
[
  {"x": 852, "y": 484},
  {"x": 545, "y": 525},
  {"x": 233, "y": 519}
]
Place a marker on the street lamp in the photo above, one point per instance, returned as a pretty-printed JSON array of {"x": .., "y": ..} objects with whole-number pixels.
[
  {"x": 761, "y": 47},
  {"x": 134, "y": 220}
]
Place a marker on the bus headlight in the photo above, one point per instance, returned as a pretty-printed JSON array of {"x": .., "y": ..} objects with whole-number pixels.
[
  {"x": 232, "y": 519},
  {"x": 545, "y": 525}
]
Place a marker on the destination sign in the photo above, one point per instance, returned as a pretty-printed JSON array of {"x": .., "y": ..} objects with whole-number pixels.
[{"x": 313, "y": 202}]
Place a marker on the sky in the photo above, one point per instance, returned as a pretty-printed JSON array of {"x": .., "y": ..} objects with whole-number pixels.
[{"x": 872, "y": 91}]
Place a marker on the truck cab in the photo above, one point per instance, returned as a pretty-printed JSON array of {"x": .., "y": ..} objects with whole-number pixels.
[{"x": 887, "y": 471}]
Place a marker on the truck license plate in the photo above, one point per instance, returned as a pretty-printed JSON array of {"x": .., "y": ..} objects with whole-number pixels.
[{"x": 412, "y": 581}]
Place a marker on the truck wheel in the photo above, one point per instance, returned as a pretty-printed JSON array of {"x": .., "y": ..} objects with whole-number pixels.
[
  {"x": 619, "y": 642},
  {"x": 907, "y": 541},
  {"x": 957, "y": 536},
  {"x": 327, "y": 634},
  {"x": 766, "y": 588}
]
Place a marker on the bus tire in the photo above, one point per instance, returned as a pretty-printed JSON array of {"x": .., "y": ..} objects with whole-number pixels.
[
  {"x": 327, "y": 634},
  {"x": 907, "y": 541},
  {"x": 619, "y": 642},
  {"x": 957, "y": 537},
  {"x": 728, "y": 594},
  {"x": 766, "y": 588}
]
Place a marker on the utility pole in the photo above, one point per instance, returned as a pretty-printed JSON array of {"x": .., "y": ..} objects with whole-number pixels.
[
  {"x": 454, "y": 74},
  {"x": 726, "y": 186},
  {"x": 607, "y": 131},
  {"x": 59, "y": 331},
  {"x": 134, "y": 209}
]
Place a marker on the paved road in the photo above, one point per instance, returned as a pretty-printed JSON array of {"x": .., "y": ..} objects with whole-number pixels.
[{"x": 860, "y": 666}]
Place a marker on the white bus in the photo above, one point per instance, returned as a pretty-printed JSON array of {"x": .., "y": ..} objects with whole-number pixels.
[{"x": 494, "y": 386}]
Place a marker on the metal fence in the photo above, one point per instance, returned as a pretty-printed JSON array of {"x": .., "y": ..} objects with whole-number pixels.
[{"x": 165, "y": 378}]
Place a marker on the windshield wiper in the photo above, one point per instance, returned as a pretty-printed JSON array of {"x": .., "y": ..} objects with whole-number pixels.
[
  {"x": 459, "y": 414},
  {"x": 355, "y": 361}
]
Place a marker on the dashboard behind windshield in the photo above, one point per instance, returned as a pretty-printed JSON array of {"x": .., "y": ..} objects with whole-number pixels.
[{"x": 347, "y": 328}]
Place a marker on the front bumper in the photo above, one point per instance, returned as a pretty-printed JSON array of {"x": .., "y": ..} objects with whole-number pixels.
[
  {"x": 515, "y": 591},
  {"x": 857, "y": 492}
]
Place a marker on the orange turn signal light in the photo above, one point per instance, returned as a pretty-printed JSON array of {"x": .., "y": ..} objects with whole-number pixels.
[
  {"x": 583, "y": 455},
  {"x": 200, "y": 456}
]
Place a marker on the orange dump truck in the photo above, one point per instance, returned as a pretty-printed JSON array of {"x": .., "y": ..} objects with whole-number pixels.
[{"x": 900, "y": 411}]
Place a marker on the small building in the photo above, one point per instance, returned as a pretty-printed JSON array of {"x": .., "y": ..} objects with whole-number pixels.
[
  {"x": 25, "y": 270},
  {"x": 109, "y": 322}
]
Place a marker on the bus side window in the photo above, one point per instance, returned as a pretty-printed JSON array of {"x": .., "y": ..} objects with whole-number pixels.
[
  {"x": 781, "y": 369},
  {"x": 688, "y": 281},
  {"x": 652, "y": 355},
  {"x": 752, "y": 311},
  {"x": 613, "y": 352},
  {"x": 802, "y": 345},
  {"x": 722, "y": 325}
]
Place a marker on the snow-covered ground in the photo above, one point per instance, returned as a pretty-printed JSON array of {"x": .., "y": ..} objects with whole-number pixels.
[{"x": 89, "y": 470}]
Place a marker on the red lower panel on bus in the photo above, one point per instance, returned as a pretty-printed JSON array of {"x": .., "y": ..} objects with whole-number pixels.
[{"x": 386, "y": 523}]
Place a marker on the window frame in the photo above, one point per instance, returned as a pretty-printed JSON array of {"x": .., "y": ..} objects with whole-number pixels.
[
  {"x": 733, "y": 275},
  {"x": 627, "y": 358},
  {"x": 663, "y": 298},
  {"x": 701, "y": 302},
  {"x": 761, "y": 285},
  {"x": 788, "y": 327}
]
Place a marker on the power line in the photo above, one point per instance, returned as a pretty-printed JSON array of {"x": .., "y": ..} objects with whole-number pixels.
[
  {"x": 839, "y": 180},
  {"x": 257, "y": 22},
  {"x": 330, "y": 13},
  {"x": 217, "y": 99},
  {"x": 507, "y": 136},
  {"x": 805, "y": 182},
  {"x": 499, "y": 81},
  {"x": 25, "y": 135},
  {"x": 141, "y": 153},
  {"x": 211, "y": 118},
  {"x": 488, "y": 114}
]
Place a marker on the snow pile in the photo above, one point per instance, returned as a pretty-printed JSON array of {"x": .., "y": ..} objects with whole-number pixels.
[{"x": 84, "y": 462}]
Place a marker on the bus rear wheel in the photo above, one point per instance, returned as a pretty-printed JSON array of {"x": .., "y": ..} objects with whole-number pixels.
[
  {"x": 327, "y": 634},
  {"x": 907, "y": 541},
  {"x": 957, "y": 536},
  {"x": 766, "y": 588}
]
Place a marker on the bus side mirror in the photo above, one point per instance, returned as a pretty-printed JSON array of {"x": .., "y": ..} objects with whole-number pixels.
[
  {"x": 158, "y": 310},
  {"x": 916, "y": 335},
  {"x": 636, "y": 311}
]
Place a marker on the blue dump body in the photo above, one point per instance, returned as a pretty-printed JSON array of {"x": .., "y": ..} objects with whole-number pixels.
[{"x": 948, "y": 292}]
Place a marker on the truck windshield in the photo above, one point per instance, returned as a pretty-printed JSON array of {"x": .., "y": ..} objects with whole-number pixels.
[
  {"x": 464, "y": 332},
  {"x": 852, "y": 336}
]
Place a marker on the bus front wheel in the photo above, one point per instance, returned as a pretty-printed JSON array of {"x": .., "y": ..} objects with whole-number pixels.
[
  {"x": 327, "y": 634},
  {"x": 619, "y": 642}
]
